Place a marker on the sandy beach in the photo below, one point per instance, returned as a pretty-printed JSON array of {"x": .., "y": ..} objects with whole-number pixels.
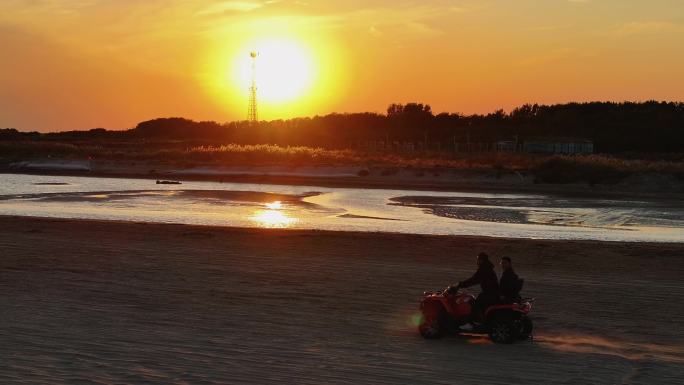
[{"x": 117, "y": 302}]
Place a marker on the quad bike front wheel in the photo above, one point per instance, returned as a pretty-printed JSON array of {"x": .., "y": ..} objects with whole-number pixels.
[{"x": 433, "y": 323}]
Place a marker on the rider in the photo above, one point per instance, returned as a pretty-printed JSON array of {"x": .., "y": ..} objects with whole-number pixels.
[
  {"x": 489, "y": 284},
  {"x": 509, "y": 283}
]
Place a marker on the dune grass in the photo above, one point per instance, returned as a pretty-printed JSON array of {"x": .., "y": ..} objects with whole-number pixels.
[{"x": 547, "y": 168}]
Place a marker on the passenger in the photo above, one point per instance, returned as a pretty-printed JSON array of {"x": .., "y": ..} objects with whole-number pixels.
[
  {"x": 489, "y": 284},
  {"x": 509, "y": 285}
]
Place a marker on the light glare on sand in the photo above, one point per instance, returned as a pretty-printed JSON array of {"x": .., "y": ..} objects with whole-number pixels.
[{"x": 416, "y": 319}]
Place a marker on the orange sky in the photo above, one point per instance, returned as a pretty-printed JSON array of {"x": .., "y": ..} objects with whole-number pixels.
[{"x": 79, "y": 64}]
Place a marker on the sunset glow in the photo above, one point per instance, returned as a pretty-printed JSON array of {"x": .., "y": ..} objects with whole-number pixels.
[
  {"x": 142, "y": 60},
  {"x": 297, "y": 73}
]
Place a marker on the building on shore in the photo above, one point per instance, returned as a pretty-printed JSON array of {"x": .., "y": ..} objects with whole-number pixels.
[
  {"x": 570, "y": 146},
  {"x": 506, "y": 146}
]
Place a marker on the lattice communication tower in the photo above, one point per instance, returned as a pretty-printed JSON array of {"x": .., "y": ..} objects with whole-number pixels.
[{"x": 252, "y": 115}]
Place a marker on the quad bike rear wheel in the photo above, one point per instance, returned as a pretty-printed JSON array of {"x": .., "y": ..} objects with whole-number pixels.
[
  {"x": 526, "y": 326},
  {"x": 503, "y": 331}
]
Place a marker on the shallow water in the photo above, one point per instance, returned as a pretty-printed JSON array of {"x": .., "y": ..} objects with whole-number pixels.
[{"x": 309, "y": 207}]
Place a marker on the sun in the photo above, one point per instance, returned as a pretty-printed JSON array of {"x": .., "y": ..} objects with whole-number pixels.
[
  {"x": 285, "y": 70},
  {"x": 298, "y": 73}
]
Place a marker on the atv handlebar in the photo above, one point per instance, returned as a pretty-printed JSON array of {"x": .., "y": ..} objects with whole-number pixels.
[
  {"x": 448, "y": 290},
  {"x": 451, "y": 289}
]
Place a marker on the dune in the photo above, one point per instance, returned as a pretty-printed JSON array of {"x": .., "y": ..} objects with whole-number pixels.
[
  {"x": 271, "y": 171},
  {"x": 117, "y": 302}
]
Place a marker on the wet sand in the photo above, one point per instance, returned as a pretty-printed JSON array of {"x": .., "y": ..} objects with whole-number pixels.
[
  {"x": 207, "y": 195},
  {"x": 117, "y": 302},
  {"x": 556, "y": 210}
]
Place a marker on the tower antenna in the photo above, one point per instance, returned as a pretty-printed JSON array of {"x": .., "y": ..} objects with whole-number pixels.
[{"x": 252, "y": 115}]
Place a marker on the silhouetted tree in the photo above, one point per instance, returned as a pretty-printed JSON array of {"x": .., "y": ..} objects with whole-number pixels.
[{"x": 655, "y": 127}]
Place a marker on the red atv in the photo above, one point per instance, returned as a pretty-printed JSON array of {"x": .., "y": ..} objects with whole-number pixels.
[{"x": 447, "y": 310}]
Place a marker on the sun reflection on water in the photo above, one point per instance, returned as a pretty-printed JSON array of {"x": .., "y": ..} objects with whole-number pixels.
[{"x": 273, "y": 217}]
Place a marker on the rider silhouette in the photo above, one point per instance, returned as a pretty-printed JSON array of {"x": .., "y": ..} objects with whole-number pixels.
[
  {"x": 509, "y": 285},
  {"x": 489, "y": 284}
]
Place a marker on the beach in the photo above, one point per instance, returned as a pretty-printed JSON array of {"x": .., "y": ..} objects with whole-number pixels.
[
  {"x": 120, "y": 302},
  {"x": 341, "y": 193}
]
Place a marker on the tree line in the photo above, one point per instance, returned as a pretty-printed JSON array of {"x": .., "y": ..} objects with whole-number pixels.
[{"x": 647, "y": 127}]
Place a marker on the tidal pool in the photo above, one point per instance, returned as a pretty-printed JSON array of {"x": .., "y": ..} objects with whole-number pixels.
[{"x": 343, "y": 209}]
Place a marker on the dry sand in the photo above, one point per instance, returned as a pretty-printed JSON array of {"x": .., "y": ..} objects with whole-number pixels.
[{"x": 111, "y": 303}]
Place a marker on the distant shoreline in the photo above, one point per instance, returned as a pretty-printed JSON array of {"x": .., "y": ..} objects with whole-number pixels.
[{"x": 458, "y": 182}]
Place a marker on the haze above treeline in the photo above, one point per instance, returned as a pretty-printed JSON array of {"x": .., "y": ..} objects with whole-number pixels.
[{"x": 651, "y": 126}]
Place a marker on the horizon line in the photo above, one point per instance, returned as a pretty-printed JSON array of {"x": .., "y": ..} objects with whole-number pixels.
[{"x": 358, "y": 112}]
